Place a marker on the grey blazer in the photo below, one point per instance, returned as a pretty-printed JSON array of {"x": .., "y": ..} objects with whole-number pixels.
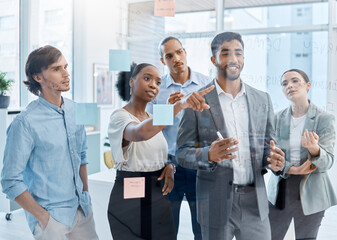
[
  {"x": 316, "y": 191},
  {"x": 214, "y": 184}
]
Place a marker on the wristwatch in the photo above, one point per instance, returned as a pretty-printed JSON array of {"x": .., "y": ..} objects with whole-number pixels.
[{"x": 174, "y": 167}]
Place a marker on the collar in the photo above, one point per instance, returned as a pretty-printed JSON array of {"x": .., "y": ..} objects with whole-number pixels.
[
  {"x": 52, "y": 106},
  {"x": 193, "y": 79},
  {"x": 221, "y": 91}
]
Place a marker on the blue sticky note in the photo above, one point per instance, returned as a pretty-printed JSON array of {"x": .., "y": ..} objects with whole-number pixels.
[
  {"x": 119, "y": 60},
  {"x": 162, "y": 114},
  {"x": 86, "y": 113}
]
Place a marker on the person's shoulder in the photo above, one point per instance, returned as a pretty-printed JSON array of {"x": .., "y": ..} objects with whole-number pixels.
[
  {"x": 164, "y": 78},
  {"x": 207, "y": 85},
  {"x": 203, "y": 79},
  {"x": 68, "y": 101},
  {"x": 27, "y": 115},
  {"x": 30, "y": 109},
  {"x": 253, "y": 89},
  {"x": 281, "y": 113},
  {"x": 320, "y": 113},
  {"x": 119, "y": 112},
  {"x": 257, "y": 92}
]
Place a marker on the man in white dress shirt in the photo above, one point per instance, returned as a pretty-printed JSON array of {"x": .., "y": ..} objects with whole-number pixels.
[{"x": 231, "y": 193}]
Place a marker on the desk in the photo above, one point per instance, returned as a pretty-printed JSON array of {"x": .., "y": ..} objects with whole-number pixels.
[{"x": 100, "y": 186}]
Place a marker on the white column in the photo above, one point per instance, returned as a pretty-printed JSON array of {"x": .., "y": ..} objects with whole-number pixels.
[{"x": 219, "y": 8}]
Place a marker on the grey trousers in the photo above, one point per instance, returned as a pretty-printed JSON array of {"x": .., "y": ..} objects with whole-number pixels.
[
  {"x": 244, "y": 222},
  {"x": 306, "y": 226},
  {"x": 84, "y": 228}
]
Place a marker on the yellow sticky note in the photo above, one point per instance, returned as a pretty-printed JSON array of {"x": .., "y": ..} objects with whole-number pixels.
[
  {"x": 134, "y": 187},
  {"x": 164, "y": 8}
]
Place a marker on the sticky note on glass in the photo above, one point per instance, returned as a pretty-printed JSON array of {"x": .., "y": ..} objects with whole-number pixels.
[
  {"x": 163, "y": 114},
  {"x": 86, "y": 113},
  {"x": 164, "y": 8},
  {"x": 134, "y": 187},
  {"x": 119, "y": 60}
]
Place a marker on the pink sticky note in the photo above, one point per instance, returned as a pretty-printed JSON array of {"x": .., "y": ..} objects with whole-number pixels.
[
  {"x": 134, "y": 187},
  {"x": 164, "y": 8}
]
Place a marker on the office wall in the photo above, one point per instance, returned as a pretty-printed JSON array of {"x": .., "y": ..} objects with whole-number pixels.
[{"x": 98, "y": 27}]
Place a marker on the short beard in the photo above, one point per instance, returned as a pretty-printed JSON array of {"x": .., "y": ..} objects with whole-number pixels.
[{"x": 223, "y": 73}]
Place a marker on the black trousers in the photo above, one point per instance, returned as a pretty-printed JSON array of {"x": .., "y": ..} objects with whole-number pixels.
[{"x": 140, "y": 218}]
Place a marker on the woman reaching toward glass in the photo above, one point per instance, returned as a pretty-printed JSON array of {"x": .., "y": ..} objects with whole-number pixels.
[
  {"x": 138, "y": 206},
  {"x": 303, "y": 190}
]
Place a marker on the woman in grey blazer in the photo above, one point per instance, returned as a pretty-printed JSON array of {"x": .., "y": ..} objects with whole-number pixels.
[{"x": 303, "y": 190}]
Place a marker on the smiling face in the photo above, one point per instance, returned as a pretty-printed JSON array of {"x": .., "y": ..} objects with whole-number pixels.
[
  {"x": 55, "y": 79},
  {"x": 229, "y": 60},
  {"x": 146, "y": 84},
  {"x": 294, "y": 86},
  {"x": 174, "y": 56}
]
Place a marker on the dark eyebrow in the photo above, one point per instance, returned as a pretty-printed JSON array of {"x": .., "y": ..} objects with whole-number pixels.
[
  {"x": 149, "y": 74},
  {"x": 58, "y": 66},
  {"x": 295, "y": 78},
  {"x": 227, "y": 50}
]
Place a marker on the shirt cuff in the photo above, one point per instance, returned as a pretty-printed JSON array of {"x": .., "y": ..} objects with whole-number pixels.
[{"x": 15, "y": 191}]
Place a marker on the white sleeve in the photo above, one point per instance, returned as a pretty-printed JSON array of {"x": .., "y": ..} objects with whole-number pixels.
[{"x": 119, "y": 119}]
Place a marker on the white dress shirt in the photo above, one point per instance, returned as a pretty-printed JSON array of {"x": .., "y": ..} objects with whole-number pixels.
[{"x": 235, "y": 112}]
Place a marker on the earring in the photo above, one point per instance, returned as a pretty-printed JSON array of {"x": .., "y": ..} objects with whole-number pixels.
[{"x": 130, "y": 91}]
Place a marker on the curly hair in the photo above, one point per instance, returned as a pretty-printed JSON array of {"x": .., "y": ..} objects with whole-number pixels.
[
  {"x": 37, "y": 61},
  {"x": 122, "y": 84}
]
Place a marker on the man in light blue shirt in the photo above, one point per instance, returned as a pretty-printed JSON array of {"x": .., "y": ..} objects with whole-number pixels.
[
  {"x": 45, "y": 164},
  {"x": 179, "y": 82}
]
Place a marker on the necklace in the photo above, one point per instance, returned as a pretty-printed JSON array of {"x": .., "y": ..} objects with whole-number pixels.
[{"x": 295, "y": 122}]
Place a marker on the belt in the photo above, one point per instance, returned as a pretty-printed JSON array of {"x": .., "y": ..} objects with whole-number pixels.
[{"x": 243, "y": 188}]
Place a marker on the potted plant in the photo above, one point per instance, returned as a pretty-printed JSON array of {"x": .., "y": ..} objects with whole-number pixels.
[{"x": 5, "y": 85}]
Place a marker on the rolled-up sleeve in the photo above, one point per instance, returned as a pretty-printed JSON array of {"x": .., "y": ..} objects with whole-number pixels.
[{"x": 19, "y": 145}]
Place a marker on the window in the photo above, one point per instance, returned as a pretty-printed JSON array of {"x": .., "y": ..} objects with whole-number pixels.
[
  {"x": 53, "y": 26},
  {"x": 277, "y": 16},
  {"x": 7, "y": 22},
  {"x": 50, "y": 22},
  {"x": 54, "y": 16},
  {"x": 191, "y": 22},
  {"x": 9, "y": 46}
]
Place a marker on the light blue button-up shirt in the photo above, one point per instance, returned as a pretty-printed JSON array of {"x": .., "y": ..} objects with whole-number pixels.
[
  {"x": 169, "y": 86},
  {"x": 44, "y": 151}
]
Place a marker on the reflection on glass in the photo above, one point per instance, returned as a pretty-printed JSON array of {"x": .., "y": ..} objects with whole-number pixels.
[{"x": 268, "y": 56}]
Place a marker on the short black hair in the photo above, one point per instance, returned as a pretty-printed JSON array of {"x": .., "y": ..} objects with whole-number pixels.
[
  {"x": 302, "y": 73},
  {"x": 122, "y": 84},
  {"x": 165, "y": 40},
  {"x": 224, "y": 37},
  {"x": 37, "y": 61}
]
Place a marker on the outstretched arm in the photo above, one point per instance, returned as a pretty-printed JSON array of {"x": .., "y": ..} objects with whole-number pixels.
[{"x": 135, "y": 132}]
